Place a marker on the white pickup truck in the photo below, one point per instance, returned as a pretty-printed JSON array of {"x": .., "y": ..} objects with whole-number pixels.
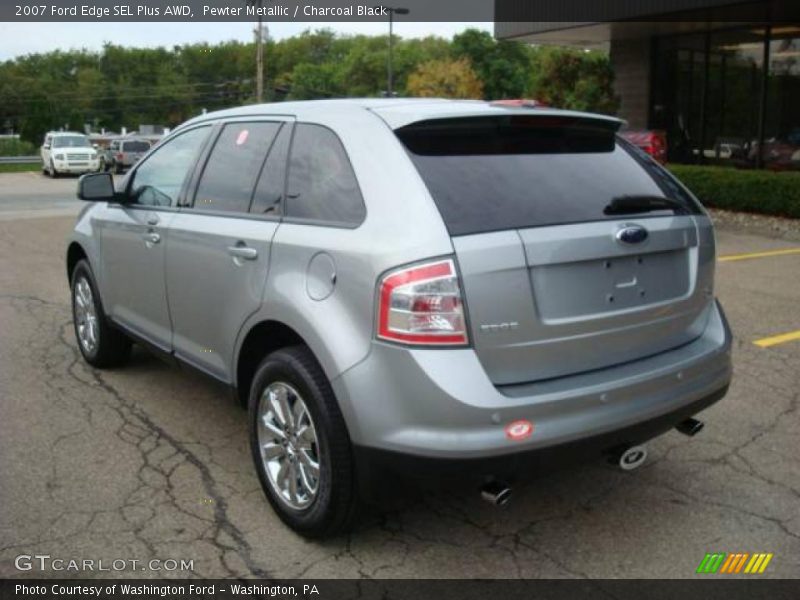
[{"x": 68, "y": 152}]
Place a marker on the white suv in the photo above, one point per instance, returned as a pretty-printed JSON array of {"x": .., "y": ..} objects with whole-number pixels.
[{"x": 68, "y": 152}]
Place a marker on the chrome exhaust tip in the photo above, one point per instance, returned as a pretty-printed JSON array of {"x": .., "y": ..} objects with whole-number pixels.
[
  {"x": 631, "y": 458},
  {"x": 496, "y": 493},
  {"x": 690, "y": 427}
]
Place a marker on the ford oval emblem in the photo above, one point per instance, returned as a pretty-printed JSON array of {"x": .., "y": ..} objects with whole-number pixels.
[{"x": 632, "y": 234}]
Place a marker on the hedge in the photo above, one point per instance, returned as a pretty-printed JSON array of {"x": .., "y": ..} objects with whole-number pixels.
[
  {"x": 764, "y": 192},
  {"x": 15, "y": 147}
]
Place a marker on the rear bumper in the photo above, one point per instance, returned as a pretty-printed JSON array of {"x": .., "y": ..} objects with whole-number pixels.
[
  {"x": 440, "y": 404},
  {"x": 375, "y": 465}
]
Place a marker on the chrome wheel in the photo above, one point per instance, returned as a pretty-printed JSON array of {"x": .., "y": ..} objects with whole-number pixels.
[
  {"x": 85, "y": 315},
  {"x": 289, "y": 446}
]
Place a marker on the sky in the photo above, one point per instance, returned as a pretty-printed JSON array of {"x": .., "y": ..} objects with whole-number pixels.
[{"x": 28, "y": 38}]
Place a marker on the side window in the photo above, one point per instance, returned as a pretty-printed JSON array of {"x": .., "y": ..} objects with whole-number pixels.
[
  {"x": 233, "y": 166},
  {"x": 269, "y": 190},
  {"x": 322, "y": 185},
  {"x": 158, "y": 181}
]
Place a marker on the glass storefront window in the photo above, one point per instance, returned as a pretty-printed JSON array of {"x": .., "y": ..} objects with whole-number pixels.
[
  {"x": 708, "y": 90},
  {"x": 736, "y": 69},
  {"x": 781, "y": 149},
  {"x": 677, "y": 94}
]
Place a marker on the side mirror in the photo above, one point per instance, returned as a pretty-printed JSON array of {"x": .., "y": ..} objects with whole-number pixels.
[
  {"x": 46, "y": 146},
  {"x": 97, "y": 187}
]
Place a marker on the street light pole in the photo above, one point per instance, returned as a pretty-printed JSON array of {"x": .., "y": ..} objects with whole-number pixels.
[
  {"x": 389, "y": 74},
  {"x": 390, "y": 58}
]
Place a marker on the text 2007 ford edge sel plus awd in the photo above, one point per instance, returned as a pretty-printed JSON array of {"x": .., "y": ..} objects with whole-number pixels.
[{"x": 413, "y": 284}]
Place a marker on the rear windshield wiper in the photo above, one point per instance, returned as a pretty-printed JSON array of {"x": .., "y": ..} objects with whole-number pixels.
[{"x": 625, "y": 205}]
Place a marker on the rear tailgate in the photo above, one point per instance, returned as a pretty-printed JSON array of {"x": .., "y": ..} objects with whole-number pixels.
[
  {"x": 551, "y": 289},
  {"x": 551, "y": 302}
]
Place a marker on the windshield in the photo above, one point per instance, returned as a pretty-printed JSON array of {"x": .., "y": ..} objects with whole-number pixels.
[
  {"x": 496, "y": 173},
  {"x": 71, "y": 141}
]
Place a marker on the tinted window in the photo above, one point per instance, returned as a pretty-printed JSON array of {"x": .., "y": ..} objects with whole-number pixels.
[
  {"x": 322, "y": 185},
  {"x": 158, "y": 181},
  {"x": 233, "y": 166},
  {"x": 269, "y": 191},
  {"x": 488, "y": 174},
  {"x": 135, "y": 147}
]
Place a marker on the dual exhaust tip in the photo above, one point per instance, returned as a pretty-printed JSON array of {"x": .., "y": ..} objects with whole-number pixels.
[
  {"x": 628, "y": 458},
  {"x": 632, "y": 457},
  {"x": 496, "y": 493}
]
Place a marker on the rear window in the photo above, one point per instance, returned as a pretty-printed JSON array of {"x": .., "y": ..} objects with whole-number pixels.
[
  {"x": 511, "y": 172},
  {"x": 135, "y": 147}
]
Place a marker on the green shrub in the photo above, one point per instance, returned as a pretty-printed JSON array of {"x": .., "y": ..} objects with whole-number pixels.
[
  {"x": 14, "y": 147},
  {"x": 764, "y": 192}
]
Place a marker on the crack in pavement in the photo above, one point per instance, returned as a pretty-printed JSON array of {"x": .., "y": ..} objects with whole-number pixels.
[{"x": 137, "y": 429}]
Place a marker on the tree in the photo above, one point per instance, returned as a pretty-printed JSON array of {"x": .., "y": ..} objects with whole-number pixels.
[
  {"x": 309, "y": 82},
  {"x": 445, "y": 78},
  {"x": 570, "y": 78},
  {"x": 123, "y": 86},
  {"x": 502, "y": 66}
]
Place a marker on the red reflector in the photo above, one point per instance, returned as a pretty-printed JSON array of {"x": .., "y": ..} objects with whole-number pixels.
[{"x": 519, "y": 430}]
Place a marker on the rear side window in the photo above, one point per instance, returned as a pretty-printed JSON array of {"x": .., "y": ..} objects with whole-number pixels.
[
  {"x": 234, "y": 165},
  {"x": 322, "y": 186},
  {"x": 511, "y": 172}
]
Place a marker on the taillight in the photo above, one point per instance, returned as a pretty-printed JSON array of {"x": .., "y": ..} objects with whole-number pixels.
[
  {"x": 422, "y": 305},
  {"x": 119, "y": 156}
]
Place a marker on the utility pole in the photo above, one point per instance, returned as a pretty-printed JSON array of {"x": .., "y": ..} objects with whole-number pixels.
[
  {"x": 260, "y": 60},
  {"x": 257, "y": 4}
]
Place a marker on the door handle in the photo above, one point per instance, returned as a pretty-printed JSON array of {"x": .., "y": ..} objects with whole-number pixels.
[
  {"x": 151, "y": 237},
  {"x": 243, "y": 252},
  {"x": 152, "y": 220}
]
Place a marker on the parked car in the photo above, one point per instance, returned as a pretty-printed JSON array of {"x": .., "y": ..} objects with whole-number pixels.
[
  {"x": 67, "y": 152},
  {"x": 780, "y": 153},
  {"x": 401, "y": 286},
  {"x": 123, "y": 153},
  {"x": 651, "y": 141}
]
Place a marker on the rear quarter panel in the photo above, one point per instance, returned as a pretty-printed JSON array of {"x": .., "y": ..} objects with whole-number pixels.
[{"x": 402, "y": 225}]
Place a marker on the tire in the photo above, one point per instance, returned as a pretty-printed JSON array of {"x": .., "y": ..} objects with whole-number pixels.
[
  {"x": 118, "y": 168},
  {"x": 101, "y": 344},
  {"x": 331, "y": 508}
]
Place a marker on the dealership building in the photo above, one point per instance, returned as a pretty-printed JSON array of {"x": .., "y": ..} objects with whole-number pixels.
[{"x": 721, "y": 78}]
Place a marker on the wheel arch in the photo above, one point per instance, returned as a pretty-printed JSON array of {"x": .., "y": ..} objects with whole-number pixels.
[
  {"x": 75, "y": 253},
  {"x": 261, "y": 339}
]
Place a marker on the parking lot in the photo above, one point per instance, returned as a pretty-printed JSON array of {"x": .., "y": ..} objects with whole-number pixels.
[{"x": 150, "y": 461}]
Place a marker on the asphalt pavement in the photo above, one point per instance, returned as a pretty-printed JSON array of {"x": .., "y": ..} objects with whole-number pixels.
[{"x": 151, "y": 462}]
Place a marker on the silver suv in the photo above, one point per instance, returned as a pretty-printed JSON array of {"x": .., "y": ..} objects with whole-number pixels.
[{"x": 410, "y": 286}]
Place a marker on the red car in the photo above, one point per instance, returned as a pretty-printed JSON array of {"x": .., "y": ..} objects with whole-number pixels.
[{"x": 654, "y": 142}]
